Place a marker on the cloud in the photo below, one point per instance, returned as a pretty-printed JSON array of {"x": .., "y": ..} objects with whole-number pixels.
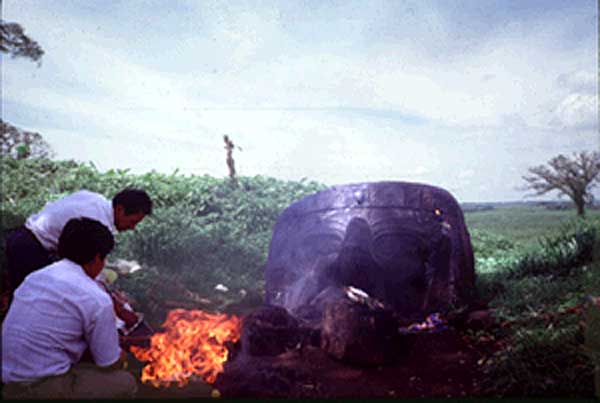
[
  {"x": 584, "y": 81},
  {"x": 578, "y": 111},
  {"x": 389, "y": 91},
  {"x": 261, "y": 61},
  {"x": 578, "y": 107}
]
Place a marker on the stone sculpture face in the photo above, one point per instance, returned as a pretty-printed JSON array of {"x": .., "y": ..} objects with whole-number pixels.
[{"x": 404, "y": 244}]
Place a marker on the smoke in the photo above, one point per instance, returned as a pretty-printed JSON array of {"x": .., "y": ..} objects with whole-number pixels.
[{"x": 304, "y": 290}]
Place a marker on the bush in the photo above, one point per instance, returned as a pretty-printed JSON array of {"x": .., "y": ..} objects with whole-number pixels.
[
  {"x": 486, "y": 244},
  {"x": 557, "y": 254}
]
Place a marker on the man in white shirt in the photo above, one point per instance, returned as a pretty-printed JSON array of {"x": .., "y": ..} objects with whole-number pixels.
[
  {"x": 34, "y": 245},
  {"x": 58, "y": 313}
]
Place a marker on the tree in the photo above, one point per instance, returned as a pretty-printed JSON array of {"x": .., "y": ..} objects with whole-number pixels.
[
  {"x": 574, "y": 177},
  {"x": 21, "y": 144},
  {"x": 14, "y": 42},
  {"x": 15, "y": 142}
]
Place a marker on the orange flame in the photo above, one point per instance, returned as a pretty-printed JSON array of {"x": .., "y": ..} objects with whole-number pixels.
[{"x": 192, "y": 345}]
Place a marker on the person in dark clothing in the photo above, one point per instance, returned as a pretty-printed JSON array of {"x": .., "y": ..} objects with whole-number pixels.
[{"x": 34, "y": 245}]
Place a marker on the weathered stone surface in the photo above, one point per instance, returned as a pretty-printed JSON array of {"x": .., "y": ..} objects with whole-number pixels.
[
  {"x": 405, "y": 244},
  {"x": 268, "y": 331},
  {"x": 356, "y": 334}
]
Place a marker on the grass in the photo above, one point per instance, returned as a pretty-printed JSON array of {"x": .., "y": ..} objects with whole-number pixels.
[
  {"x": 537, "y": 268},
  {"x": 523, "y": 224}
]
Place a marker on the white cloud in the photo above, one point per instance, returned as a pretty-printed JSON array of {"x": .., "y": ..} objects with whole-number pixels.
[
  {"x": 261, "y": 65},
  {"x": 166, "y": 93},
  {"x": 578, "y": 111},
  {"x": 579, "y": 81}
]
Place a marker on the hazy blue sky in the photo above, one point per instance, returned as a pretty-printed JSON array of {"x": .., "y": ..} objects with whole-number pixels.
[{"x": 465, "y": 95}]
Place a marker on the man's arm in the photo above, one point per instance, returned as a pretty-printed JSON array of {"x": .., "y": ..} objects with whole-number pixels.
[{"x": 103, "y": 338}]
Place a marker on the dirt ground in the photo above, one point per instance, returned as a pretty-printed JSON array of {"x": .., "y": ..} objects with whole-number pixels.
[{"x": 439, "y": 365}]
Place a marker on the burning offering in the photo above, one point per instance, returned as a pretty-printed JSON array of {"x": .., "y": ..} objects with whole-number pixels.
[
  {"x": 192, "y": 345},
  {"x": 432, "y": 323}
]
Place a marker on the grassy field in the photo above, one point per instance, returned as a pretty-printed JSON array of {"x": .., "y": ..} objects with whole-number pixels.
[
  {"x": 539, "y": 269},
  {"x": 524, "y": 225}
]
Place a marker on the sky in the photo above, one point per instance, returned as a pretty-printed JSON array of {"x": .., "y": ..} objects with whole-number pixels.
[{"x": 461, "y": 94}]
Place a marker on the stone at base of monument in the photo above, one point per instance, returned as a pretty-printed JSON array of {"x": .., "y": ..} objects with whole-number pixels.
[
  {"x": 357, "y": 334},
  {"x": 271, "y": 330}
]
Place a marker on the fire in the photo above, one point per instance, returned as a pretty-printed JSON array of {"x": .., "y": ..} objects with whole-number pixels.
[{"x": 192, "y": 345}]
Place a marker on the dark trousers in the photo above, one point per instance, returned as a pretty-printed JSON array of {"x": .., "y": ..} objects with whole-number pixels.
[{"x": 24, "y": 254}]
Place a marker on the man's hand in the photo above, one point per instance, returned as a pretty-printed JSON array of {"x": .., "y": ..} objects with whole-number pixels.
[{"x": 126, "y": 315}]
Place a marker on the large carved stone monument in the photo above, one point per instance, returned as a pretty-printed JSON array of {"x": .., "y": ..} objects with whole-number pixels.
[{"x": 404, "y": 244}]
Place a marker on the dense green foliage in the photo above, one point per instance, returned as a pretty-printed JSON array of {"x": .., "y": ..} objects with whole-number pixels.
[{"x": 203, "y": 231}]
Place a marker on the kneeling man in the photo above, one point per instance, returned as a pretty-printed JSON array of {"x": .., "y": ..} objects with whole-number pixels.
[{"x": 57, "y": 314}]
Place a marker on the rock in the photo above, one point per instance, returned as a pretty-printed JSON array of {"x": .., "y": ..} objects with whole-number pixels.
[
  {"x": 269, "y": 331},
  {"x": 357, "y": 334}
]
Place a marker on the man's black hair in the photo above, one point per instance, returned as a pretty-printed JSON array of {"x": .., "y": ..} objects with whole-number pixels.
[
  {"x": 83, "y": 238},
  {"x": 133, "y": 201}
]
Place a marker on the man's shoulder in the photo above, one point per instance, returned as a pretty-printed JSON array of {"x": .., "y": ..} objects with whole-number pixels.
[
  {"x": 87, "y": 194},
  {"x": 72, "y": 279},
  {"x": 76, "y": 201},
  {"x": 42, "y": 275},
  {"x": 84, "y": 202}
]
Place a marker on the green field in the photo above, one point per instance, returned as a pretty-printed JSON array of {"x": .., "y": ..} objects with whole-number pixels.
[
  {"x": 537, "y": 269},
  {"x": 524, "y": 224}
]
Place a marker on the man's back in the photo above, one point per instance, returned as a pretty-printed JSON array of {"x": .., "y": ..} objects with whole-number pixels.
[
  {"x": 55, "y": 315},
  {"x": 49, "y": 222}
]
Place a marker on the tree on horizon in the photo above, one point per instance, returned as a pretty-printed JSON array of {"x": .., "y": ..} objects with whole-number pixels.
[{"x": 574, "y": 177}]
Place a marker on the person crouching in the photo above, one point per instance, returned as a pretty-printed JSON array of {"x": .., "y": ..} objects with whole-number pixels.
[{"x": 58, "y": 313}]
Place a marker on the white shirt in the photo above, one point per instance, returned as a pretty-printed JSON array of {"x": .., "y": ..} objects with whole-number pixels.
[
  {"x": 56, "y": 313},
  {"x": 48, "y": 223}
]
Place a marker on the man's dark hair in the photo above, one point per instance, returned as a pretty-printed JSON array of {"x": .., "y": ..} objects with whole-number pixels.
[
  {"x": 133, "y": 201},
  {"x": 83, "y": 238}
]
